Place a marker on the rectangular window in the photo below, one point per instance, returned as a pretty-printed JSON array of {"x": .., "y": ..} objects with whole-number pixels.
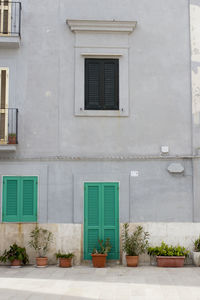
[
  {"x": 101, "y": 84},
  {"x": 19, "y": 199}
]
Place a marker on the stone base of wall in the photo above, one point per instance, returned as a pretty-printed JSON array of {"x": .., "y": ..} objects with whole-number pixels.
[
  {"x": 182, "y": 234},
  {"x": 69, "y": 237}
]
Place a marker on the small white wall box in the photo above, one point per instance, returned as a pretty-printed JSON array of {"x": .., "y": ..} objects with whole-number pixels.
[
  {"x": 164, "y": 149},
  {"x": 134, "y": 173}
]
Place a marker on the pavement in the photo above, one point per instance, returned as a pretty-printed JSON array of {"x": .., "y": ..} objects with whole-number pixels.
[{"x": 110, "y": 283}]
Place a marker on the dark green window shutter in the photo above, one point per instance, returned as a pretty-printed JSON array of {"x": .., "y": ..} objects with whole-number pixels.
[
  {"x": 11, "y": 195},
  {"x": 92, "y": 218},
  {"x": 28, "y": 199},
  {"x": 101, "y": 84},
  {"x": 92, "y": 84},
  {"x": 19, "y": 199},
  {"x": 111, "y": 84}
]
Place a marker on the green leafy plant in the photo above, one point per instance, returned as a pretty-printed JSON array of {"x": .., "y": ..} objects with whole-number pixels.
[
  {"x": 153, "y": 251},
  {"x": 40, "y": 240},
  {"x": 197, "y": 245},
  {"x": 15, "y": 252},
  {"x": 135, "y": 243},
  {"x": 12, "y": 134},
  {"x": 104, "y": 248},
  {"x": 166, "y": 250},
  {"x": 64, "y": 255}
]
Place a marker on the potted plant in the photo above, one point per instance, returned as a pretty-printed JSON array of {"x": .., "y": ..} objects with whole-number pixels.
[
  {"x": 40, "y": 241},
  {"x": 99, "y": 255},
  {"x": 16, "y": 255},
  {"x": 12, "y": 138},
  {"x": 170, "y": 256},
  {"x": 196, "y": 252},
  {"x": 65, "y": 259},
  {"x": 134, "y": 244}
]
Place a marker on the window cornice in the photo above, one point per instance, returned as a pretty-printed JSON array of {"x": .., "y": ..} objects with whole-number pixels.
[{"x": 102, "y": 25}]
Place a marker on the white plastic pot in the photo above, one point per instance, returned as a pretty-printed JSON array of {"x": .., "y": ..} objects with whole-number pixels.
[{"x": 196, "y": 258}]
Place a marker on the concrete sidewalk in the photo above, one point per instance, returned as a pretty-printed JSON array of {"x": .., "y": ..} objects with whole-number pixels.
[{"x": 87, "y": 283}]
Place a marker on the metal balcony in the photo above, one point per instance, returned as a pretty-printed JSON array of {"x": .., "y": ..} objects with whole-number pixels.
[
  {"x": 10, "y": 23},
  {"x": 8, "y": 126}
]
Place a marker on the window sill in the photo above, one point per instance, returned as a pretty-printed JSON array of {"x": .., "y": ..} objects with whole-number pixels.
[
  {"x": 9, "y": 41},
  {"x": 8, "y": 147},
  {"x": 16, "y": 222},
  {"x": 101, "y": 113}
]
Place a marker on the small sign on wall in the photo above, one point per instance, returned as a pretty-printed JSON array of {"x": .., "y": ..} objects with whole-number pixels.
[{"x": 134, "y": 173}]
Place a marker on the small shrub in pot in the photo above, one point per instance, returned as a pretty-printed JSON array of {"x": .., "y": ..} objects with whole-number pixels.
[
  {"x": 65, "y": 259},
  {"x": 12, "y": 138},
  {"x": 134, "y": 244},
  {"x": 99, "y": 255},
  {"x": 41, "y": 239},
  {"x": 196, "y": 252},
  {"x": 169, "y": 256},
  {"x": 16, "y": 255}
]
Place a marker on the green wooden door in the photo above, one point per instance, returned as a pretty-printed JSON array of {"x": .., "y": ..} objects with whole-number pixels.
[{"x": 101, "y": 217}]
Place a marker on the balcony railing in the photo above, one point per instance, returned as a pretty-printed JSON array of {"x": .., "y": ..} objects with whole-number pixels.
[
  {"x": 10, "y": 18},
  {"x": 8, "y": 126}
]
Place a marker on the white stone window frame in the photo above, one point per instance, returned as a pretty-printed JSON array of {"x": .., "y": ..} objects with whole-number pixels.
[
  {"x": 101, "y": 39},
  {"x": 122, "y": 55}
]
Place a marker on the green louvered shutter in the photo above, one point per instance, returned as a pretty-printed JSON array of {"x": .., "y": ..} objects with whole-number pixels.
[
  {"x": 92, "y": 84},
  {"x": 101, "y": 217},
  {"x": 111, "y": 84},
  {"x": 110, "y": 220},
  {"x": 28, "y": 199},
  {"x": 19, "y": 199},
  {"x": 11, "y": 195},
  {"x": 92, "y": 218},
  {"x": 101, "y": 84}
]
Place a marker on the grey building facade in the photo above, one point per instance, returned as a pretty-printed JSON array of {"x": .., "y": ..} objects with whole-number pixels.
[{"x": 149, "y": 145}]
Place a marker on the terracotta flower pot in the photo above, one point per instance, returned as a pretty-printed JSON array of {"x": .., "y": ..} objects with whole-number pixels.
[
  {"x": 65, "y": 262},
  {"x": 132, "y": 261},
  {"x": 41, "y": 261},
  {"x": 99, "y": 260},
  {"x": 11, "y": 139},
  {"x": 170, "y": 261},
  {"x": 16, "y": 263}
]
